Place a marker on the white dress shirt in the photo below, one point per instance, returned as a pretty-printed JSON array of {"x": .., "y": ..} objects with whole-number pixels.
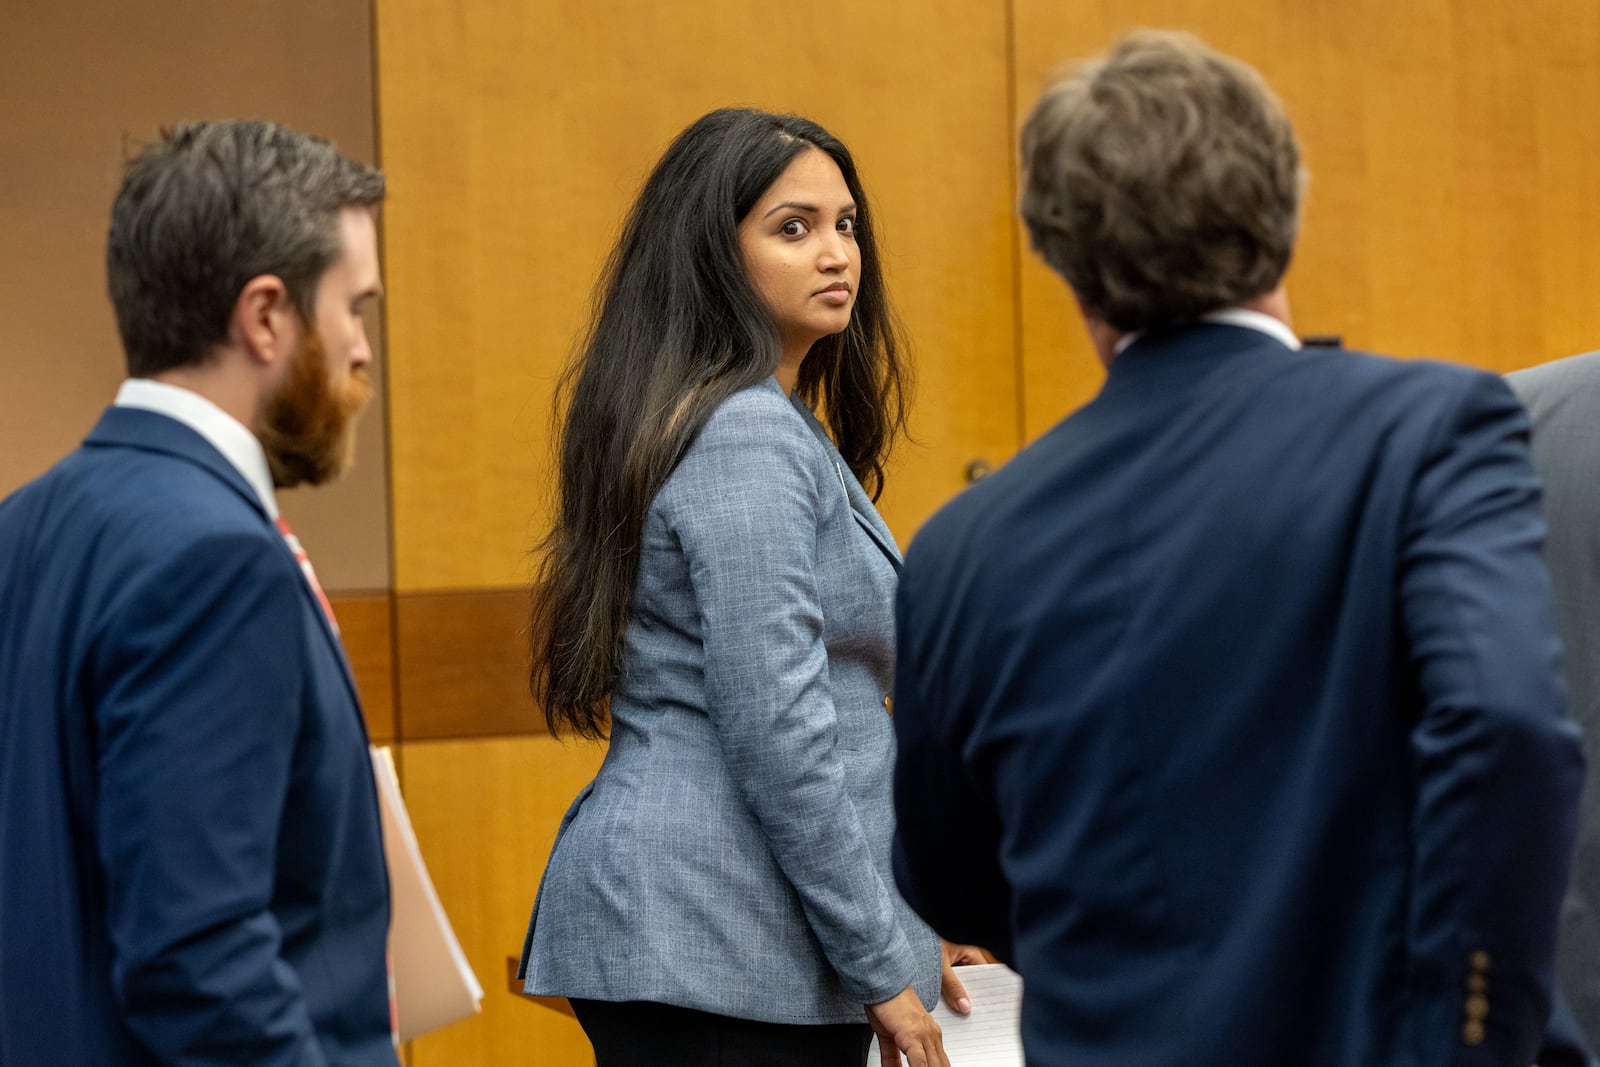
[{"x": 1250, "y": 320}]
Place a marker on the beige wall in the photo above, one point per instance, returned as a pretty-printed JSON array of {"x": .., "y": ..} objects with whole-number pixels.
[{"x": 80, "y": 80}]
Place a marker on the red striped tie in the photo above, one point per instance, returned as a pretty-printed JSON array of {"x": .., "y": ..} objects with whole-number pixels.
[{"x": 304, "y": 560}]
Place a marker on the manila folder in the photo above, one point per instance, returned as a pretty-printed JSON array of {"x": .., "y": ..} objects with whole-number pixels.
[{"x": 433, "y": 984}]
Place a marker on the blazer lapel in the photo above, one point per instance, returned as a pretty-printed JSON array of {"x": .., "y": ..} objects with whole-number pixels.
[
  {"x": 861, "y": 506},
  {"x": 150, "y": 431},
  {"x": 866, "y": 514}
]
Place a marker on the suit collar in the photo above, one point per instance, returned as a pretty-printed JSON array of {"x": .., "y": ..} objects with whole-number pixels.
[
  {"x": 1184, "y": 353},
  {"x": 226, "y": 434},
  {"x": 138, "y": 428},
  {"x": 149, "y": 431},
  {"x": 1259, "y": 321},
  {"x": 1243, "y": 317}
]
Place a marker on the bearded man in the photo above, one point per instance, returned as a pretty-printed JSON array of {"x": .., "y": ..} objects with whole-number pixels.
[{"x": 192, "y": 859}]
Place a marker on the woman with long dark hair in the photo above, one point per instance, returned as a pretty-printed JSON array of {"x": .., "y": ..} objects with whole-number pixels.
[{"x": 716, "y": 594}]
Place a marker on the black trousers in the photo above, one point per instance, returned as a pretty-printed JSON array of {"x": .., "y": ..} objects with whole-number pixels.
[{"x": 641, "y": 1034}]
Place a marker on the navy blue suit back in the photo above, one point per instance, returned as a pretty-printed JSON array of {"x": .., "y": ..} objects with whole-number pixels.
[{"x": 1202, "y": 675}]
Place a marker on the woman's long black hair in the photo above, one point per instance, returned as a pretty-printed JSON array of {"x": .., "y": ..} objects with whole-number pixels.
[{"x": 678, "y": 328}]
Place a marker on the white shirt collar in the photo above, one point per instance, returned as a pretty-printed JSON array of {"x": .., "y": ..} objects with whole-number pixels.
[
  {"x": 227, "y": 434},
  {"x": 1254, "y": 320},
  {"x": 1250, "y": 320}
]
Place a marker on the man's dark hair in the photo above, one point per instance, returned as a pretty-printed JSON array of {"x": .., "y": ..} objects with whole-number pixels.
[
  {"x": 206, "y": 208},
  {"x": 1161, "y": 182}
]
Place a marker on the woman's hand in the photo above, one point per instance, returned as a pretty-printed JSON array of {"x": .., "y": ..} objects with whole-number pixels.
[
  {"x": 950, "y": 987},
  {"x": 903, "y": 1025}
]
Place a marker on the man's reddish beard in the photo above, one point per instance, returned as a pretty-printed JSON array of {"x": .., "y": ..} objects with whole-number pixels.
[{"x": 307, "y": 427}]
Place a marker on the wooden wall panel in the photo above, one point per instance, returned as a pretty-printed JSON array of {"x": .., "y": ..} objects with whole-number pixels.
[
  {"x": 464, "y": 664},
  {"x": 368, "y": 636},
  {"x": 515, "y": 135},
  {"x": 1450, "y": 151},
  {"x": 1566, "y": 76},
  {"x": 485, "y": 813}
]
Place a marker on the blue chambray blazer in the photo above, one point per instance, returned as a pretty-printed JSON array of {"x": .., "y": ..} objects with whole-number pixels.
[{"x": 732, "y": 854}]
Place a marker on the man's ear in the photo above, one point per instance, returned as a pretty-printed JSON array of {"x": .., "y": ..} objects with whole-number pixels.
[
  {"x": 264, "y": 324},
  {"x": 1102, "y": 335}
]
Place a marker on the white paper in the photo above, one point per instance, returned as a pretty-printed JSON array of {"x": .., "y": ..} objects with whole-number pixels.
[
  {"x": 433, "y": 983},
  {"x": 992, "y": 1035}
]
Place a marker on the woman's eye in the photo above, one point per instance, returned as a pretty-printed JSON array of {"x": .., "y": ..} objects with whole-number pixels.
[
  {"x": 792, "y": 228},
  {"x": 847, "y": 224}
]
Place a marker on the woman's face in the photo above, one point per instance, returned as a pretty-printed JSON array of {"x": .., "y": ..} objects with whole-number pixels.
[{"x": 799, "y": 246}]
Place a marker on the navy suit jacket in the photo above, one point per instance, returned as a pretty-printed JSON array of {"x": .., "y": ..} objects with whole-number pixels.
[
  {"x": 192, "y": 861},
  {"x": 1237, "y": 695}
]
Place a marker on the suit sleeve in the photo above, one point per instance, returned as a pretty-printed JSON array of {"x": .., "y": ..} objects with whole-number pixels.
[
  {"x": 200, "y": 678},
  {"x": 749, "y": 533},
  {"x": 1497, "y": 763},
  {"x": 947, "y": 835}
]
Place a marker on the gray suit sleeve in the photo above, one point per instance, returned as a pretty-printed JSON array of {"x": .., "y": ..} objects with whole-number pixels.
[
  {"x": 747, "y": 522},
  {"x": 1563, "y": 399}
]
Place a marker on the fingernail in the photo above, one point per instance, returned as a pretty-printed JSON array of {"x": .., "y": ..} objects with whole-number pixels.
[{"x": 963, "y": 1005}]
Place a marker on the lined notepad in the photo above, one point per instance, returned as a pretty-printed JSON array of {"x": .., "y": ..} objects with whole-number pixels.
[{"x": 991, "y": 1036}]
